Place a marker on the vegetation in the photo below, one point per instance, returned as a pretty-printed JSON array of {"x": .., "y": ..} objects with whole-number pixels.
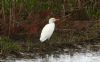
[
  {"x": 22, "y": 20},
  {"x": 7, "y": 46}
]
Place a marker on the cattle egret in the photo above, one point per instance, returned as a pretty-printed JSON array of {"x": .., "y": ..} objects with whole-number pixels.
[{"x": 48, "y": 29}]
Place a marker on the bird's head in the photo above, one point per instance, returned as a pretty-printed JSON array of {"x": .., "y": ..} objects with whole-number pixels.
[{"x": 52, "y": 20}]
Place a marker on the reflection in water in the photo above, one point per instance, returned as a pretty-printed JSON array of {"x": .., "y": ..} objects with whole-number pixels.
[{"x": 77, "y": 57}]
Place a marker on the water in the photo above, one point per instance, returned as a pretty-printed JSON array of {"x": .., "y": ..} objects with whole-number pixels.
[{"x": 76, "y": 57}]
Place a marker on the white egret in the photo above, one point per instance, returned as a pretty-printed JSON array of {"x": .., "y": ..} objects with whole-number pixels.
[{"x": 48, "y": 30}]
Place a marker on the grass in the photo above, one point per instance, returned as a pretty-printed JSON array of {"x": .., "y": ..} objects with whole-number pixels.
[
  {"x": 72, "y": 37},
  {"x": 7, "y": 46}
]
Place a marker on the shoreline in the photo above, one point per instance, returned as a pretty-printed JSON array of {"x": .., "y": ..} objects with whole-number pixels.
[{"x": 43, "y": 49}]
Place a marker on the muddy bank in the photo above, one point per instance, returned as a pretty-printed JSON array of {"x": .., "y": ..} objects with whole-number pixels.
[{"x": 42, "y": 49}]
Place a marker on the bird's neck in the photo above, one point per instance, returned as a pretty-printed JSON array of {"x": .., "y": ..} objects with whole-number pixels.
[{"x": 51, "y": 22}]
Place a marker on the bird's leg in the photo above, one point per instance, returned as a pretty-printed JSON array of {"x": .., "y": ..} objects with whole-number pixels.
[
  {"x": 49, "y": 44},
  {"x": 46, "y": 43}
]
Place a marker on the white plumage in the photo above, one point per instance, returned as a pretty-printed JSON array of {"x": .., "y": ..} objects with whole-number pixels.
[{"x": 48, "y": 29}]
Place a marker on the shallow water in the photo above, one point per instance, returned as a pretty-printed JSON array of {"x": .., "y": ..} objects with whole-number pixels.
[{"x": 76, "y": 57}]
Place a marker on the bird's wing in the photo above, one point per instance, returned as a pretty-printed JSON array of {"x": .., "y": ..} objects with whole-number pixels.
[{"x": 47, "y": 31}]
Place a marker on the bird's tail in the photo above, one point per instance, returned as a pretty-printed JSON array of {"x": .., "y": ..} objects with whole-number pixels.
[{"x": 42, "y": 40}]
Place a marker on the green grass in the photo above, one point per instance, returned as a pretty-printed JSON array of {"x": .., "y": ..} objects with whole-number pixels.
[{"x": 7, "y": 46}]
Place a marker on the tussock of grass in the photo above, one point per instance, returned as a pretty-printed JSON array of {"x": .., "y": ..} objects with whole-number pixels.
[{"x": 7, "y": 46}]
